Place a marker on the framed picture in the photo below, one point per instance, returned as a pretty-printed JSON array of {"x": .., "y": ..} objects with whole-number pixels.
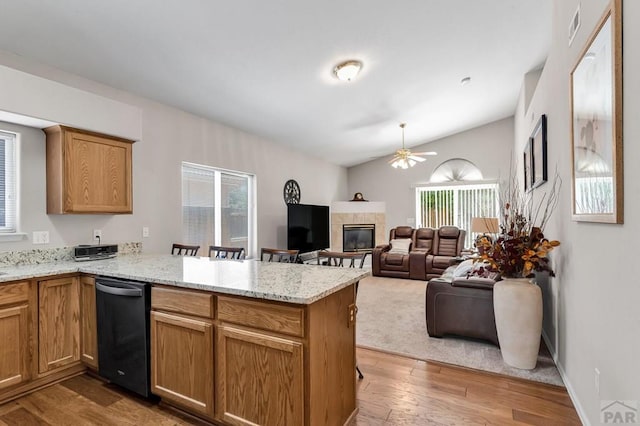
[
  {"x": 539, "y": 153},
  {"x": 596, "y": 127},
  {"x": 526, "y": 161}
]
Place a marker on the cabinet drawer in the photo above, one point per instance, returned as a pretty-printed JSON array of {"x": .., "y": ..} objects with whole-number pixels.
[
  {"x": 183, "y": 302},
  {"x": 262, "y": 315},
  {"x": 14, "y": 293}
]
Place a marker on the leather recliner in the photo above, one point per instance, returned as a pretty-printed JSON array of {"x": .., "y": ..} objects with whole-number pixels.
[
  {"x": 448, "y": 243},
  {"x": 461, "y": 306},
  {"x": 395, "y": 265}
]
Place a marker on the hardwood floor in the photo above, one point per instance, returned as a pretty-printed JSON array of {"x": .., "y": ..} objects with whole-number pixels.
[{"x": 394, "y": 391}]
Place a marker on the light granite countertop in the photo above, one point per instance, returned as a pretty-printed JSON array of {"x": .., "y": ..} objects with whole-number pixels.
[{"x": 294, "y": 283}]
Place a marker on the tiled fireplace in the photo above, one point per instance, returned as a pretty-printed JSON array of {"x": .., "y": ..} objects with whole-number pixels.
[
  {"x": 358, "y": 237},
  {"x": 362, "y": 218}
]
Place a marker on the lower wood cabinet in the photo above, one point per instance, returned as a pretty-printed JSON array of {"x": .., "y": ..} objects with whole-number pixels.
[
  {"x": 58, "y": 323},
  {"x": 182, "y": 361},
  {"x": 260, "y": 378},
  {"x": 88, "y": 322},
  {"x": 14, "y": 334}
]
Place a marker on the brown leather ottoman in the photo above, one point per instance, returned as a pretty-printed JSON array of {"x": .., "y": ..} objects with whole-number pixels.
[{"x": 461, "y": 306}]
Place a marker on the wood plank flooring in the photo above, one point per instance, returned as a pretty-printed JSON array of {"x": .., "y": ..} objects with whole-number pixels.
[{"x": 395, "y": 391}]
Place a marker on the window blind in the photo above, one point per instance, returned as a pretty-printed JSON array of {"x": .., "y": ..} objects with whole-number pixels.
[{"x": 456, "y": 205}]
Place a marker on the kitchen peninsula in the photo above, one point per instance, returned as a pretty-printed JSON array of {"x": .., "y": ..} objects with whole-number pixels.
[{"x": 236, "y": 342}]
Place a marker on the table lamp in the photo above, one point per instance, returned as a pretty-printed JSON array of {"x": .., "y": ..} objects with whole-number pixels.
[{"x": 484, "y": 226}]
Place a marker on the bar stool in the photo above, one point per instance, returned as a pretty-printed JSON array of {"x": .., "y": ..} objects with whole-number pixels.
[
  {"x": 219, "y": 252},
  {"x": 184, "y": 249},
  {"x": 337, "y": 258},
  {"x": 279, "y": 255}
]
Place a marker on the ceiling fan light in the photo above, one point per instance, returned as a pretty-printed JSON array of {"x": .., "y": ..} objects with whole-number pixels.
[{"x": 347, "y": 71}]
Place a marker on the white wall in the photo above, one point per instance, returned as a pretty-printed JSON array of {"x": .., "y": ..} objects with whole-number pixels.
[
  {"x": 488, "y": 147},
  {"x": 168, "y": 137},
  {"x": 592, "y": 314}
]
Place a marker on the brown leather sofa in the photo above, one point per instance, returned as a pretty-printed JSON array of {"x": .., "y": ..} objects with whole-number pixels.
[
  {"x": 461, "y": 306},
  {"x": 430, "y": 253}
]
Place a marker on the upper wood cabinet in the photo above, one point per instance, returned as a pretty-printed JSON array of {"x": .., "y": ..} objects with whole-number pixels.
[{"x": 87, "y": 172}]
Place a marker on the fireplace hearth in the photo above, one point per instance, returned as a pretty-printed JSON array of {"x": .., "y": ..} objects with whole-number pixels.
[{"x": 358, "y": 237}]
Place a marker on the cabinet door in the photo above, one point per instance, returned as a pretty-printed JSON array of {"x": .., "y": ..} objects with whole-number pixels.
[
  {"x": 87, "y": 172},
  {"x": 58, "y": 323},
  {"x": 97, "y": 174},
  {"x": 14, "y": 349},
  {"x": 182, "y": 361},
  {"x": 88, "y": 319},
  {"x": 260, "y": 378}
]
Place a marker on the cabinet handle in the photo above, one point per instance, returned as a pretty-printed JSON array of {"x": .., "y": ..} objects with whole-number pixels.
[{"x": 128, "y": 292}]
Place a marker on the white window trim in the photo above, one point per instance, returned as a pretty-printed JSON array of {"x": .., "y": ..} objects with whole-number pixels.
[
  {"x": 252, "y": 234},
  {"x": 13, "y": 233}
]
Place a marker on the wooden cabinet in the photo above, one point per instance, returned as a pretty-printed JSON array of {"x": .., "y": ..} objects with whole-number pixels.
[
  {"x": 260, "y": 364},
  {"x": 88, "y": 322},
  {"x": 14, "y": 334},
  {"x": 260, "y": 378},
  {"x": 182, "y": 349},
  {"x": 58, "y": 323},
  {"x": 87, "y": 172}
]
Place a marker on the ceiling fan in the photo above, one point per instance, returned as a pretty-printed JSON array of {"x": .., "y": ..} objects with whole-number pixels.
[{"x": 404, "y": 158}]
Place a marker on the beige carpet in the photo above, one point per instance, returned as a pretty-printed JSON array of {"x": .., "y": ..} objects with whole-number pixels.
[{"x": 391, "y": 318}]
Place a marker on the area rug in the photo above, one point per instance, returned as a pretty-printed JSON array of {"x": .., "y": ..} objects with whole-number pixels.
[{"x": 391, "y": 318}]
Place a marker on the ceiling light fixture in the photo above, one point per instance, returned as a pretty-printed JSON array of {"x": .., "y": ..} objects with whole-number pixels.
[
  {"x": 347, "y": 71},
  {"x": 404, "y": 158}
]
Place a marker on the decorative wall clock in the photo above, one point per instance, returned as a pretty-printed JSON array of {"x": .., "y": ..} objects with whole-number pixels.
[{"x": 291, "y": 192}]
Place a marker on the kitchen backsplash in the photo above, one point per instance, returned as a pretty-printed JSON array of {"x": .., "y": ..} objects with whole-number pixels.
[{"x": 36, "y": 256}]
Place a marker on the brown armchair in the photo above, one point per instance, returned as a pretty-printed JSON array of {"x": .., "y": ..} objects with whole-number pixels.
[
  {"x": 461, "y": 306},
  {"x": 396, "y": 265}
]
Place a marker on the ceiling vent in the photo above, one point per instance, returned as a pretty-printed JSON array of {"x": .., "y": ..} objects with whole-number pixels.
[{"x": 574, "y": 25}]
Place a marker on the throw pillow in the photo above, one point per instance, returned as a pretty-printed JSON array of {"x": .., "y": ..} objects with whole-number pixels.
[{"x": 400, "y": 246}]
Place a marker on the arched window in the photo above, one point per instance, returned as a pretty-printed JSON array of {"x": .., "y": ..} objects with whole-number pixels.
[
  {"x": 455, "y": 170},
  {"x": 455, "y": 194}
]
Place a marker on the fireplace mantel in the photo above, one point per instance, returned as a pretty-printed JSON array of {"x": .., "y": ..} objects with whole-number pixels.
[{"x": 357, "y": 213}]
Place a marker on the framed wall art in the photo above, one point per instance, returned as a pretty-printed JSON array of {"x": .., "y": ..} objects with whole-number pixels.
[
  {"x": 596, "y": 127},
  {"x": 539, "y": 153},
  {"x": 526, "y": 162}
]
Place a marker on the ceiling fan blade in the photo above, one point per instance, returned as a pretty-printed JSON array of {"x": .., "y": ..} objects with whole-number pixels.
[
  {"x": 425, "y": 153},
  {"x": 416, "y": 158},
  {"x": 395, "y": 157}
]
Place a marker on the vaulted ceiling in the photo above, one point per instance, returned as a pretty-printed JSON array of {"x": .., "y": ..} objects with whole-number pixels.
[{"x": 266, "y": 66}]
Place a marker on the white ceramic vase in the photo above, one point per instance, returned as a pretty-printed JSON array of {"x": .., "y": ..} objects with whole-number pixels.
[{"x": 517, "y": 303}]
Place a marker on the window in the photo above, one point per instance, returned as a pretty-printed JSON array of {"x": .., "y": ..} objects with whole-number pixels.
[
  {"x": 455, "y": 205},
  {"x": 8, "y": 193},
  {"x": 217, "y": 207}
]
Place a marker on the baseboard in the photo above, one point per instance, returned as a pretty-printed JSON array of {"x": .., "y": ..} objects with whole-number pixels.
[{"x": 567, "y": 383}]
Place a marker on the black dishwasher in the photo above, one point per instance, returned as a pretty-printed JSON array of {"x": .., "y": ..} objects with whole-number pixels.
[{"x": 123, "y": 333}]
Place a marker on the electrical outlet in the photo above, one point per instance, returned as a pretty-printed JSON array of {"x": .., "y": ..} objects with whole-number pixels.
[
  {"x": 40, "y": 237},
  {"x": 97, "y": 234},
  {"x": 597, "y": 381},
  {"x": 145, "y": 232}
]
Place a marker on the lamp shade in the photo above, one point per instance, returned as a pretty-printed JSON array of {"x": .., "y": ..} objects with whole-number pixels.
[{"x": 484, "y": 225}]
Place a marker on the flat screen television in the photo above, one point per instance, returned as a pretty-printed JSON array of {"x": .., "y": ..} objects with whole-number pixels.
[{"x": 307, "y": 227}]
